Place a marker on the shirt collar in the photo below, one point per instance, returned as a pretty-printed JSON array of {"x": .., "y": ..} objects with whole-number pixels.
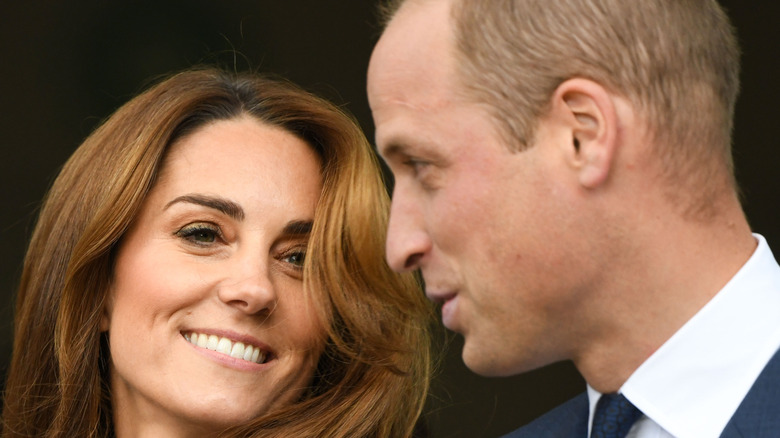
[{"x": 692, "y": 385}]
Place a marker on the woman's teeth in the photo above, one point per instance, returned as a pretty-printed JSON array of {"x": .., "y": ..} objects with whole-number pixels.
[{"x": 238, "y": 350}]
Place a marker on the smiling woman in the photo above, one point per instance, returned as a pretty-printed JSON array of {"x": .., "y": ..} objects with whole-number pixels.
[{"x": 210, "y": 263}]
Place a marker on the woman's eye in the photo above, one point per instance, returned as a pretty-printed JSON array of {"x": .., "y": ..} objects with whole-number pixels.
[
  {"x": 200, "y": 234},
  {"x": 295, "y": 257}
]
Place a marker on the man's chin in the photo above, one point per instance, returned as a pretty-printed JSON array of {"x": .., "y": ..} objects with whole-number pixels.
[
  {"x": 482, "y": 362},
  {"x": 490, "y": 363}
]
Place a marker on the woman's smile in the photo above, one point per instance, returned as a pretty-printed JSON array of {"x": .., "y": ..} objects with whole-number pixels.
[
  {"x": 230, "y": 347},
  {"x": 207, "y": 306}
]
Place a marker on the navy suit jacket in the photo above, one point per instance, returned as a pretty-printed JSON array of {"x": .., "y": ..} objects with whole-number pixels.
[{"x": 758, "y": 416}]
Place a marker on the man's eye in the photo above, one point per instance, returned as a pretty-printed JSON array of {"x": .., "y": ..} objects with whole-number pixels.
[
  {"x": 416, "y": 165},
  {"x": 200, "y": 233}
]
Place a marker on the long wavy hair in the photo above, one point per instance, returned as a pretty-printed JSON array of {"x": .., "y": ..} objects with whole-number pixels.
[{"x": 373, "y": 377}]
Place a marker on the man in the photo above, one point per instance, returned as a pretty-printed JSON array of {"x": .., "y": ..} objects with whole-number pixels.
[{"x": 563, "y": 180}]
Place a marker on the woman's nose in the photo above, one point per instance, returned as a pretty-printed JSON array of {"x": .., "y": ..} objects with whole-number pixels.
[{"x": 248, "y": 287}]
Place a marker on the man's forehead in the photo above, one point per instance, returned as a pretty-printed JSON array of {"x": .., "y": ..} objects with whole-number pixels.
[
  {"x": 419, "y": 28},
  {"x": 413, "y": 57}
]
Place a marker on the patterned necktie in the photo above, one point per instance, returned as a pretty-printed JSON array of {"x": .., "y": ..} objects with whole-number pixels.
[{"x": 614, "y": 416}]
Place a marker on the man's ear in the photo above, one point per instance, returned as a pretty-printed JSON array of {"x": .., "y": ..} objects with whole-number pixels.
[{"x": 589, "y": 115}]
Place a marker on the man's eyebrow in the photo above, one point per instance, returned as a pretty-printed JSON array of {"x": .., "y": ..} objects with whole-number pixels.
[
  {"x": 401, "y": 150},
  {"x": 298, "y": 228},
  {"x": 390, "y": 149},
  {"x": 225, "y": 206},
  {"x": 394, "y": 149}
]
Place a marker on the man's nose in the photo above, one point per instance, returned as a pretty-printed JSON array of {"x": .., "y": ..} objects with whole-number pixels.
[{"x": 407, "y": 239}]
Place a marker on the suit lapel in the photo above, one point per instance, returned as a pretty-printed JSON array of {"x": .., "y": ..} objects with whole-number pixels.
[
  {"x": 568, "y": 420},
  {"x": 758, "y": 416}
]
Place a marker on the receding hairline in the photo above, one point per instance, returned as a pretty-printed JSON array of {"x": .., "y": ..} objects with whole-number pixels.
[
  {"x": 703, "y": 131},
  {"x": 389, "y": 9}
]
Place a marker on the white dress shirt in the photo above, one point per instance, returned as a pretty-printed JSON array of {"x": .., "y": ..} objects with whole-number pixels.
[{"x": 693, "y": 384}]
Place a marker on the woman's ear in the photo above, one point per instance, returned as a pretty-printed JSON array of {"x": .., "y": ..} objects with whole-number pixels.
[
  {"x": 105, "y": 313},
  {"x": 590, "y": 117}
]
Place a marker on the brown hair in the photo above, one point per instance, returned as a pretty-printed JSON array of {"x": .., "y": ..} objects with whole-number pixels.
[
  {"x": 373, "y": 377},
  {"x": 676, "y": 60}
]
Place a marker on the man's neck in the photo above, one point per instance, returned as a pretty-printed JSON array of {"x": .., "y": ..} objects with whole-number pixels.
[{"x": 670, "y": 270}]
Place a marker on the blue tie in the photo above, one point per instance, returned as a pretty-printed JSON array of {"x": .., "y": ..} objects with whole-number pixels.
[{"x": 614, "y": 416}]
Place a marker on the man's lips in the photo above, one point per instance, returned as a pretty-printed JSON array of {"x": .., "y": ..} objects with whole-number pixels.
[
  {"x": 449, "y": 304},
  {"x": 439, "y": 296},
  {"x": 449, "y": 309}
]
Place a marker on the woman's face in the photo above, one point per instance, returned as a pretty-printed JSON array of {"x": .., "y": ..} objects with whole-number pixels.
[{"x": 207, "y": 319}]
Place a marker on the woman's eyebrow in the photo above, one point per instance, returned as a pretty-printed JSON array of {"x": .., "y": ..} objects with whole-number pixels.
[
  {"x": 223, "y": 205},
  {"x": 297, "y": 228}
]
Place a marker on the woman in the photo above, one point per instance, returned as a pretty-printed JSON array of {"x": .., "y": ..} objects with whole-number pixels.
[{"x": 210, "y": 262}]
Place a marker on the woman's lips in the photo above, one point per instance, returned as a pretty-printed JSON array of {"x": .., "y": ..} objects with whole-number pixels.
[{"x": 228, "y": 346}]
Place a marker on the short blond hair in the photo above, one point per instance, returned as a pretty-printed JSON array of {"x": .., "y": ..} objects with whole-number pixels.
[{"x": 675, "y": 60}]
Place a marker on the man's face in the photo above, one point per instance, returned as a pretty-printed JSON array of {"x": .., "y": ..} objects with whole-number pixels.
[{"x": 488, "y": 228}]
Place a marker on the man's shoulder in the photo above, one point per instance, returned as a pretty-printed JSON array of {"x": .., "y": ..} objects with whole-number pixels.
[{"x": 568, "y": 419}]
